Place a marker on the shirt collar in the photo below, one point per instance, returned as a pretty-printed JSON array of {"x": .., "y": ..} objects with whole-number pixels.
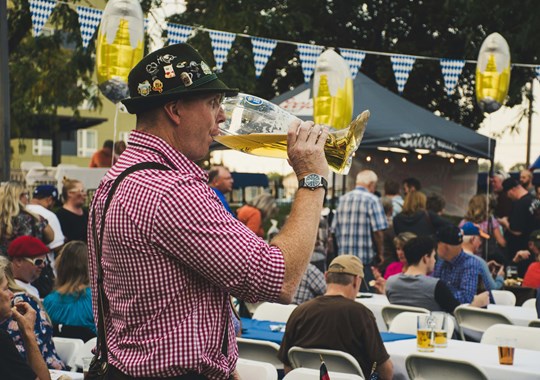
[
  {"x": 361, "y": 188},
  {"x": 458, "y": 259}
]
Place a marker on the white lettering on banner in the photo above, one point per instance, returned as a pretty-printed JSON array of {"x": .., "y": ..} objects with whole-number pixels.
[{"x": 416, "y": 140}]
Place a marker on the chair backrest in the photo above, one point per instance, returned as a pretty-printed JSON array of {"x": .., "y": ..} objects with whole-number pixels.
[
  {"x": 526, "y": 337},
  {"x": 406, "y": 323},
  {"x": 251, "y": 369},
  {"x": 314, "y": 374},
  {"x": 504, "y": 297},
  {"x": 477, "y": 319},
  {"x": 27, "y": 165},
  {"x": 436, "y": 368},
  {"x": 534, "y": 323},
  {"x": 276, "y": 312},
  {"x": 336, "y": 361},
  {"x": 259, "y": 350},
  {"x": 67, "y": 349},
  {"x": 85, "y": 351},
  {"x": 530, "y": 303},
  {"x": 390, "y": 311}
]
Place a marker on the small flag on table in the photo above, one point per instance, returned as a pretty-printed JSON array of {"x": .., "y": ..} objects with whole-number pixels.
[{"x": 324, "y": 372}]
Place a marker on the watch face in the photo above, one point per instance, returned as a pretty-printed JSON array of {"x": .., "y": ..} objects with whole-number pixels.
[{"x": 313, "y": 180}]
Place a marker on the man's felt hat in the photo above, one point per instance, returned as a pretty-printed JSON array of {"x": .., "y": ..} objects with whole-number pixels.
[
  {"x": 171, "y": 73},
  {"x": 27, "y": 246},
  {"x": 347, "y": 264}
]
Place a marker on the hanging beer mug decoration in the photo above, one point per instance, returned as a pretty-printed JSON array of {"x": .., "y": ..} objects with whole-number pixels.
[{"x": 492, "y": 73}]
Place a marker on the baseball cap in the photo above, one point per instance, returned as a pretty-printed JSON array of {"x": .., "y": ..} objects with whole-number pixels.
[
  {"x": 534, "y": 236},
  {"x": 509, "y": 184},
  {"x": 470, "y": 229},
  {"x": 43, "y": 191},
  {"x": 347, "y": 264},
  {"x": 171, "y": 73},
  {"x": 450, "y": 234},
  {"x": 27, "y": 246}
]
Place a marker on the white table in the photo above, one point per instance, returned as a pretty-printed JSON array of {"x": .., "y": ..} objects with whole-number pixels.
[
  {"x": 55, "y": 374},
  {"x": 375, "y": 304},
  {"x": 526, "y": 362},
  {"x": 520, "y": 316}
]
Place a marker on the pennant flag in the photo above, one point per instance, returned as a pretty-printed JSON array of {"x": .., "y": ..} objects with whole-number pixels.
[
  {"x": 323, "y": 372},
  {"x": 451, "y": 70},
  {"x": 354, "y": 58},
  {"x": 262, "y": 50},
  {"x": 40, "y": 11},
  {"x": 89, "y": 19},
  {"x": 308, "y": 58},
  {"x": 538, "y": 72},
  {"x": 221, "y": 44},
  {"x": 402, "y": 66},
  {"x": 146, "y": 21},
  {"x": 178, "y": 33}
]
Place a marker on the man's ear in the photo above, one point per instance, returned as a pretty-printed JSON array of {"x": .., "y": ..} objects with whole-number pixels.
[{"x": 172, "y": 110}]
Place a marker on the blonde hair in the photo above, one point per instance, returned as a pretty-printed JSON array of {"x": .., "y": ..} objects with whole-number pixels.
[
  {"x": 11, "y": 206},
  {"x": 266, "y": 204},
  {"x": 68, "y": 184},
  {"x": 477, "y": 211},
  {"x": 4, "y": 263},
  {"x": 402, "y": 238},
  {"x": 72, "y": 268},
  {"x": 414, "y": 201}
]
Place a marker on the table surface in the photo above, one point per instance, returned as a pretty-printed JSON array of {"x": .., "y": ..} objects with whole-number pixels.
[
  {"x": 526, "y": 362},
  {"x": 520, "y": 316},
  {"x": 55, "y": 374}
]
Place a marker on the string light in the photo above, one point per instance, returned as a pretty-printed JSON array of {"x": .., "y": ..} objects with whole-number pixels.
[
  {"x": 419, "y": 156},
  {"x": 466, "y": 160},
  {"x": 404, "y": 159},
  {"x": 452, "y": 160},
  {"x": 386, "y": 160},
  {"x": 368, "y": 158}
]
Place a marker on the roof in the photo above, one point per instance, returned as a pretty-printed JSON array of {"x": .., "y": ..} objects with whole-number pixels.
[
  {"x": 42, "y": 126},
  {"x": 396, "y": 122},
  {"x": 242, "y": 180}
]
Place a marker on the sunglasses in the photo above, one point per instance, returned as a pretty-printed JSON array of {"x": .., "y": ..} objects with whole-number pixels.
[{"x": 36, "y": 262}]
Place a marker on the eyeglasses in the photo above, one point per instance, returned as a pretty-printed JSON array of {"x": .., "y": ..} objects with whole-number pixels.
[
  {"x": 77, "y": 191},
  {"x": 36, "y": 262}
]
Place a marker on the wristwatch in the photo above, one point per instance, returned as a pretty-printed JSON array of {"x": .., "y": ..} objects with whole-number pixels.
[{"x": 314, "y": 181}]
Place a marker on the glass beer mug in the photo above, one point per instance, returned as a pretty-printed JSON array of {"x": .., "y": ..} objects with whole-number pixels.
[{"x": 257, "y": 126}]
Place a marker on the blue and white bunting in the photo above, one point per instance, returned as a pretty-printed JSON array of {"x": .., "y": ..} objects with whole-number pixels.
[
  {"x": 40, "y": 11},
  {"x": 451, "y": 70},
  {"x": 262, "y": 50},
  {"x": 308, "y": 58},
  {"x": 402, "y": 66},
  {"x": 354, "y": 58},
  {"x": 537, "y": 72},
  {"x": 89, "y": 19},
  {"x": 178, "y": 33},
  {"x": 221, "y": 44}
]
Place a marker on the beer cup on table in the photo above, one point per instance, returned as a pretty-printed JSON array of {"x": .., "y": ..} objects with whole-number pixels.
[
  {"x": 425, "y": 333},
  {"x": 440, "y": 319},
  {"x": 506, "y": 348}
]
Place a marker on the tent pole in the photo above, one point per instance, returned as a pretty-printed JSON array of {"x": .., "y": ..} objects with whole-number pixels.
[{"x": 4, "y": 95}]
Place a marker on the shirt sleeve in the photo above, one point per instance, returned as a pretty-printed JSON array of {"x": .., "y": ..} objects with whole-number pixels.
[
  {"x": 377, "y": 217},
  {"x": 373, "y": 343},
  {"x": 317, "y": 281},
  {"x": 445, "y": 298},
  {"x": 469, "y": 281},
  {"x": 12, "y": 365}
]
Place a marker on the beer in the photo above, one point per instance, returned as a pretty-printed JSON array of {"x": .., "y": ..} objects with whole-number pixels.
[
  {"x": 424, "y": 340},
  {"x": 440, "y": 338},
  {"x": 506, "y": 355}
]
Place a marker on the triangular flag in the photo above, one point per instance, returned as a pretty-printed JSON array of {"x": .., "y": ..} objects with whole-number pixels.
[
  {"x": 323, "y": 372},
  {"x": 178, "y": 33},
  {"x": 402, "y": 66},
  {"x": 89, "y": 19},
  {"x": 40, "y": 11},
  {"x": 221, "y": 44},
  {"x": 451, "y": 70},
  {"x": 308, "y": 58},
  {"x": 354, "y": 58},
  {"x": 538, "y": 72},
  {"x": 262, "y": 50},
  {"x": 146, "y": 21}
]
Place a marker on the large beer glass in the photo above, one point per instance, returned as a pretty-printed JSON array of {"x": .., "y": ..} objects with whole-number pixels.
[{"x": 256, "y": 126}]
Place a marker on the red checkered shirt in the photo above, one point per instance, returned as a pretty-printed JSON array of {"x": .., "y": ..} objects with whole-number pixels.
[{"x": 171, "y": 256}]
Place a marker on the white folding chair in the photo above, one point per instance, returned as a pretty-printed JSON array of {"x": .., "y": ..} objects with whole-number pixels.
[
  {"x": 477, "y": 320},
  {"x": 85, "y": 351},
  {"x": 390, "y": 311},
  {"x": 526, "y": 337},
  {"x": 436, "y": 368},
  {"x": 314, "y": 374},
  {"x": 67, "y": 349},
  {"x": 259, "y": 350},
  {"x": 504, "y": 297},
  {"x": 251, "y": 369},
  {"x": 406, "y": 323},
  {"x": 534, "y": 323},
  {"x": 336, "y": 361},
  {"x": 276, "y": 312},
  {"x": 530, "y": 303}
]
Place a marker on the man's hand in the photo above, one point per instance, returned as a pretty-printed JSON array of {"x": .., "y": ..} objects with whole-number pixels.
[
  {"x": 481, "y": 300},
  {"x": 305, "y": 148},
  {"x": 25, "y": 316},
  {"x": 521, "y": 255},
  {"x": 379, "y": 284},
  {"x": 504, "y": 222}
]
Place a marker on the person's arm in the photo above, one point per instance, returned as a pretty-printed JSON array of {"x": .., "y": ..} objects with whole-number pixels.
[
  {"x": 305, "y": 148},
  {"x": 506, "y": 225},
  {"x": 499, "y": 237},
  {"x": 521, "y": 255},
  {"x": 386, "y": 370},
  {"x": 25, "y": 316},
  {"x": 48, "y": 234},
  {"x": 467, "y": 287},
  {"x": 445, "y": 298},
  {"x": 378, "y": 237}
]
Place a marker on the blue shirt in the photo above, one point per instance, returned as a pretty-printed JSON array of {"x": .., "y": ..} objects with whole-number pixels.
[
  {"x": 71, "y": 309},
  {"x": 358, "y": 214},
  {"x": 221, "y": 197},
  {"x": 461, "y": 276}
]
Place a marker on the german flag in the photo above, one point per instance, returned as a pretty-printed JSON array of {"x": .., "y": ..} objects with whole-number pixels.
[{"x": 324, "y": 372}]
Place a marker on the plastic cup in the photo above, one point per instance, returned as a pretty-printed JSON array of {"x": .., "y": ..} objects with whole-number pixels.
[
  {"x": 506, "y": 348},
  {"x": 86, "y": 360},
  {"x": 425, "y": 341},
  {"x": 441, "y": 329}
]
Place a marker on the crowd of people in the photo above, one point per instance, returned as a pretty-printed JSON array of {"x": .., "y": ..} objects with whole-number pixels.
[{"x": 165, "y": 252}]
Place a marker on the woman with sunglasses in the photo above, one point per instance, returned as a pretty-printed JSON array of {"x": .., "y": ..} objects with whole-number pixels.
[
  {"x": 27, "y": 257},
  {"x": 73, "y": 216}
]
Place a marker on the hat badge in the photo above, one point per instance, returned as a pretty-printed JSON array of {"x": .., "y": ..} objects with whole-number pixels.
[
  {"x": 187, "y": 79},
  {"x": 144, "y": 88},
  {"x": 169, "y": 71},
  {"x": 157, "y": 86}
]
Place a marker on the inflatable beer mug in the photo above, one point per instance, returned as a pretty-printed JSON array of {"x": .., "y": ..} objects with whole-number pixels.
[{"x": 256, "y": 126}]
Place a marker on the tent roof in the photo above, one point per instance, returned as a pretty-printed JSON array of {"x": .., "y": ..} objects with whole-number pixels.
[{"x": 397, "y": 123}]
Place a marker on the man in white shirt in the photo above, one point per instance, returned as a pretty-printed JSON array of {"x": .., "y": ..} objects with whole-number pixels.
[{"x": 28, "y": 257}]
